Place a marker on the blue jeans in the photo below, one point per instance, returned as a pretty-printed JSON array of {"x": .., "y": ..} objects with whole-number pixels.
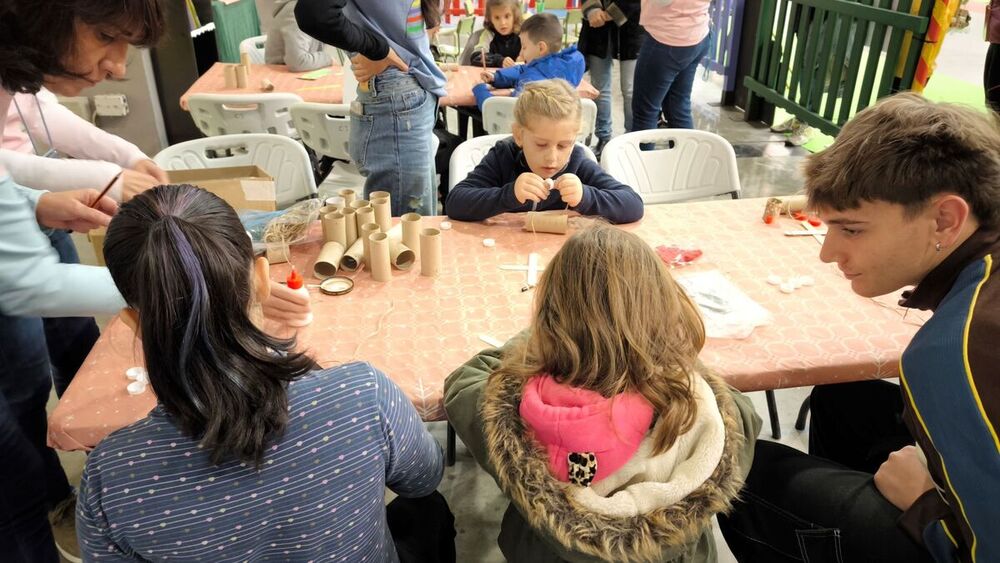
[
  {"x": 664, "y": 76},
  {"x": 31, "y": 478},
  {"x": 391, "y": 141},
  {"x": 69, "y": 338},
  {"x": 600, "y": 77}
]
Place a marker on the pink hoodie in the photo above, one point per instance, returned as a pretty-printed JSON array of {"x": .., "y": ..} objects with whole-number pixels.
[
  {"x": 569, "y": 420},
  {"x": 677, "y": 23}
]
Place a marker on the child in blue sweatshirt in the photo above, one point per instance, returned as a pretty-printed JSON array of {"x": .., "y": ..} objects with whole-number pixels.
[
  {"x": 541, "y": 167},
  {"x": 541, "y": 38}
]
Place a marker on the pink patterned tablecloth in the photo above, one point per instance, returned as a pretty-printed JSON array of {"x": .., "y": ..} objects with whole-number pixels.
[
  {"x": 329, "y": 89},
  {"x": 418, "y": 329}
]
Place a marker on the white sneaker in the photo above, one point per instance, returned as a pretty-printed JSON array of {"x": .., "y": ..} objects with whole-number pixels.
[
  {"x": 800, "y": 136},
  {"x": 63, "y": 521},
  {"x": 787, "y": 125}
]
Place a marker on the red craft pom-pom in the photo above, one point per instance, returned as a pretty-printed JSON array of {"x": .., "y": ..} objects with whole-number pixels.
[
  {"x": 815, "y": 221},
  {"x": 799, "y": 216},
  {"x": 768, "y": 219}
]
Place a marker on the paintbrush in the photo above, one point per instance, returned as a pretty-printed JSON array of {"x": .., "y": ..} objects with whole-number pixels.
[{"x": 105, "y": 190}]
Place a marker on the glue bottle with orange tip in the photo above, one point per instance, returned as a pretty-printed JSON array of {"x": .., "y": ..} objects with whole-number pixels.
[{"x": 297, "y": 284}]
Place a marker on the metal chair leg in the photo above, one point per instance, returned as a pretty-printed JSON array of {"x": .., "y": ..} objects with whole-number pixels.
[
  {"x": 772, "y": 411},
  {"x": 449, "y": 451},
  {"x": 800, "y": 422}
]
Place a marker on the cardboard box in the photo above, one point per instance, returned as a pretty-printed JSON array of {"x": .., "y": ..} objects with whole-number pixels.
[{"x": 243, "y": 187}]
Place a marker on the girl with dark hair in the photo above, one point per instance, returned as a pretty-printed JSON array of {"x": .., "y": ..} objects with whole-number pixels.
[{"x": 252, "y": 452}]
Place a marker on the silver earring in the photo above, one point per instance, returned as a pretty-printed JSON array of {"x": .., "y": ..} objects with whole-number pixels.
[{"x": 937, "y": 247}]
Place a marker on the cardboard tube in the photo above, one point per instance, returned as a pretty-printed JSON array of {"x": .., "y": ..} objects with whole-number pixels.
[
  {"x": 266, "y": 85},
  {"x": 411, "y": 231},
  {"x": 376, "y": 195},
  {"x": 351, "y": 224},
  {"x": 365, "y": 215},
  {"x": 401, "y": 256},
  {"x": 245, "y": 61},
  {"x": 367, "y": 230},
  {"x": 328, "y": 209},
  {"x": 229, "y": 72},
  {"x": 329, "y": 260},
  {"x": 335, "y": 228},
  {"x": 336, "y": 201},
  {"x": 348, "y": 195},
  {"x": 541, "y": 222},
  {"x": 241, "y": 77},
  {"x": 383, "y": 213},
  {"x": 430, "y": 252},
  {"x": 360, "y": 204},
  {"x": 353, "y": 257},
  {"x": 379, "y": 244},
  {"x": 794, "y": 203}
]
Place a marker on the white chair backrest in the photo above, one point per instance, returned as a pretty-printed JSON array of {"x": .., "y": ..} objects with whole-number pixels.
[
  {"x": 350, "y": 84},
  {"x": 228, "y": 114},
  {"x": 467, "y": 156},
  {"x": 498, "y": 117},
  {"x": 685, "y": 164},
  {"x": 254, "y": 46},
  {"x": 325, "y": 128},
  {"x": 283, "y": 158}
]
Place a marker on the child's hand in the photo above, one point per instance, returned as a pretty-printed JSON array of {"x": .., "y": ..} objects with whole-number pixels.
[
  {"x": 530, "y": 187},
  {"x": 486, "y": 77},
  {"x": 508, "y": 62},
  {"x": 570, "y": 189}
]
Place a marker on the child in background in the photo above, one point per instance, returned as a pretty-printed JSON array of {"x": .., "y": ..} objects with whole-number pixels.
[
  {"x": 289, "y": 45},
  {"x": 499, "y": 42},
  {"x": 541, "y": 39},
  {"x": 512, "y": 176},
  {"x": 242, "y": 418},
  {"x": 610, "y": 439}
]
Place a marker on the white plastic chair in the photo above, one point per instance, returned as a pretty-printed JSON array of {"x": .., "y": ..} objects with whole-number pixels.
[
  {"x": 326, "y": 129},
  {"x": 498, "y": 117},
  {"x": 254, "y": 46},
  {"x": 283, "y": 158},
  {"x": 686, "y": 164},
  {"x": 228, "y": 114},
  {"x": 467, "y": 156}
]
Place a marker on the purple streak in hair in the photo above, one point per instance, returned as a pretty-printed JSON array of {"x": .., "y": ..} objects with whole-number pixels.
[{"x": 199, "y": 291}]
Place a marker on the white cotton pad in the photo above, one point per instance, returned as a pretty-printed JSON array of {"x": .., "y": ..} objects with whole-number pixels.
[
  {"x": 489, "y": 243},
  {"x": 137, "y": 372},
  {"x": 774, "y": 279},
  {"x": 445, "y": 225},
  {"x": 136, "y": 388},
  {"x": 787, "y": 287}
]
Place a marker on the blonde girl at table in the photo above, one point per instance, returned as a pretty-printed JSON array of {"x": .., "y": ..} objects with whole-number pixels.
[
  {"x": 610, "y": 439},
  {"x": 541, "y": 167},
  {"x": 252, "y": 451},
  {"x": 392, "y": 120}
]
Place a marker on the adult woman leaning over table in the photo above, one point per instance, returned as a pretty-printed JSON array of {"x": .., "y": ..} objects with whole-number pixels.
[{"x": 67, "y": 46}]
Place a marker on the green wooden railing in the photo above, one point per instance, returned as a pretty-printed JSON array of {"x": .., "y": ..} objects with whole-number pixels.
[{"x": 824, "y": 60}]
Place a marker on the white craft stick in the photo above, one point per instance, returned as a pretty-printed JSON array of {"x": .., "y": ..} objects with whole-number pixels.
[
  {"x": 490, "y": 340},
  {"x": 533, "y": 269},
  {"x": 804, "y": 233},
  {"x": 518, "y": 268}
]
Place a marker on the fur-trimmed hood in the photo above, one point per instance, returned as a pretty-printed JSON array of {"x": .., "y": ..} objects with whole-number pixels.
[{"x": 547, "y": 504}]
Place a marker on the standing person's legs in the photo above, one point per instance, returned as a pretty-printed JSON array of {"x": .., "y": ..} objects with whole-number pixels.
[
  {"x": 627, "y": 78},
  {"x": 857, "y": 424},
  {"x": 600, "y": 77},
  {"x": 797, "y": 507},
  {"x": 677, "y": 103},
  {"x": 391, "y": 142},
  {"x": 654, "y": 74},
  {"x": 69, "y": 339},
  {"x": 991, "y": 76},
  {"x": 25, "y": 534}
]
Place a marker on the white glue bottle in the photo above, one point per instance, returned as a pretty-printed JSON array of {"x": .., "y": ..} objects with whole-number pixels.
[{"x": 296, "y": 283}]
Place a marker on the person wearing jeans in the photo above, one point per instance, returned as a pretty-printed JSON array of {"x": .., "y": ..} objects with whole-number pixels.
[
  {"x": 677, "y": 38},
  {"x": 602, "y": 40},
  {"x": 392, "y": 120}
]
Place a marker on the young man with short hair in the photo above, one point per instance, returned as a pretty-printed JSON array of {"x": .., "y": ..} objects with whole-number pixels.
[{"x": 911, "y": 193}]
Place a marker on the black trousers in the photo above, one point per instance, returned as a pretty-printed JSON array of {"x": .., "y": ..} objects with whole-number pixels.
[
  {"x": 801, "y": 507},
  {"x": 991, "y": 76},
  {"x": 423, "y": 529}
]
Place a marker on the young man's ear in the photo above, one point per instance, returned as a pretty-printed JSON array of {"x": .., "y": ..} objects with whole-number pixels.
[
  {"x": 261, "y": 279},
  {"x": 543, "y": 49},
  {"x": 130, "y": 317},
  {"x": 953, "y": 218}
]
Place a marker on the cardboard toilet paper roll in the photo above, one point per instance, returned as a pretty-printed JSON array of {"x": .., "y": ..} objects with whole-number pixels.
[
  {"x": 375, "y": 195},
  {"x": 401, "y": 256},
  {"x": 328, "y": 260},
  {"x": 348, "y": 195},
  {"x": 354, "y": 257},
  {"x": 430, "y": 252},
  {"x": 360, "y": 204},
  {"x": 367, "y": 230},
  {"x": 383, "y": 213},
  {"x": 242, "y": 76},
  {"x": 365, "y": 215},
  {"x": 335, "y": 228},
  {"x": 229, "y": 72},
  {"x": 245, "y": 60},
  {"x": 328, "y": 209},
  {"x": 350, "y": 224},
  {"x": 379, "y": 244},
  {"x": 793, "y": 203},
  {"x": 411, "y": 231},
  {"x": 541, "y": 222}
]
